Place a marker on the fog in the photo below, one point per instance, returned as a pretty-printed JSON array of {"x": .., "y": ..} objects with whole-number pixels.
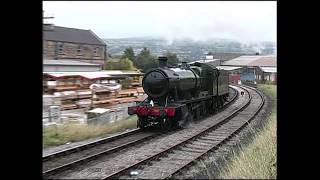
[{"x": 244, "y": 21}]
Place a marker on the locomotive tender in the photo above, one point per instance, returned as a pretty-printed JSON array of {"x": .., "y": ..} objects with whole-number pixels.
[{"x": 177, "y": 95}]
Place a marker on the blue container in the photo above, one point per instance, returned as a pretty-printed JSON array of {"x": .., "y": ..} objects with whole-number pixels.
[{"x": 247, "y": 77}]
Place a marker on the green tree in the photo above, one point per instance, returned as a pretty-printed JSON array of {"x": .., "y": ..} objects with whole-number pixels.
[
  {"x": 172, "y": 58},
  {"x": 145, "y": 60},
  {"x": 119, "y": 64},
  {"x": 128, "y": 53}
]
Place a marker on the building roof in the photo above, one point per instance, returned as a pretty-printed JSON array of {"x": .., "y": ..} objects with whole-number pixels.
[
  {"x": 122, "y": 72},
  {"x": 205, "y": 61},
  {"x": 269, "y": 69},
  {"x": 72, "y": 35},
  {"x": 98, "y": 110},
  {"x": 94, "y": 75},
  {"x": 66, "y": 62},
  {"x": 228, "y": 68},
  {"x": 254, "y": 60}
]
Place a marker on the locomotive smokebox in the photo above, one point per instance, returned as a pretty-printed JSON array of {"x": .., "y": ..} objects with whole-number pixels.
[{"x": 162, "y": 61}]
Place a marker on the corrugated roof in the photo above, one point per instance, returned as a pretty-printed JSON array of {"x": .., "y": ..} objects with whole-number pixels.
[
  {"x": 67, "y": 62},
  {"x": 87, "y": 75},
  {"x": 265, "y": 61},
  {"x": 93, "y": 75},
  {"x": 228, "y": 68},
  {"x": 65, "y": 34},
  {"x": 252, "y": 61},
  {"x": 122, "y": 72},
  {"x": 269, "y": 69}
]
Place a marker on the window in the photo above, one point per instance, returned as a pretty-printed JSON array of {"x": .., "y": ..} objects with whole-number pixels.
[
  {"x": 96, "y": 51},
  {"x": 60, "y": 48},
  {"x": 44, "y": 48},
  {"x": 79, "y": 50}
]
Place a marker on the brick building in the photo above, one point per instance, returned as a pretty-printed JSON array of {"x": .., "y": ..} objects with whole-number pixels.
[{"x": 73, "y": 44}]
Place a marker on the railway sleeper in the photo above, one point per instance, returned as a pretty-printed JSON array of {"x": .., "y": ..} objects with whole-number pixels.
[
  {"x": 205, "y": 141},
  {"x": 203, "y": 144},
  {"x": 196, "y": 146},
  {"x": 220, "y": 133},
  {"x": 206, "y": 138},
  {"x": 186, "y": 153},
  {"x": 193, "y": 149},
  {"x": 216, "y": 137}
]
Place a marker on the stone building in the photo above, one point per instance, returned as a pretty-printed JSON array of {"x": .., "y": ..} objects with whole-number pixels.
[{"x": 73, "y": 44}]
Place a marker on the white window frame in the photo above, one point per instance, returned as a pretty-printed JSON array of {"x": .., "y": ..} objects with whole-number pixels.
[{"x": 60, "y": 48}]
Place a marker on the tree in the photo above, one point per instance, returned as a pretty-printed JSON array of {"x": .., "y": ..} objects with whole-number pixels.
[
  {"x": 145, "y": 60},
  {"x": 128, "y": 53},
  {"x": 172, "y": 58},
  {"x": 119, "y": 64}
]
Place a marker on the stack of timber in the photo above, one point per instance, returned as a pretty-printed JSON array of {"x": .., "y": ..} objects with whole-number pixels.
[
  {"x": 67, "y": 99},
  {"x": 83, "y": 103},
  {"x": 127, "y": 93},
  {"x": 84, "y": 94},
  {"x": 73, "y": 94}
]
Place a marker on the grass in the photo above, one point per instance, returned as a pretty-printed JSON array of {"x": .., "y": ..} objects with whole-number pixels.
[
  {"x": 259, "y": 159},
  {"x": 63, "y": 134}
]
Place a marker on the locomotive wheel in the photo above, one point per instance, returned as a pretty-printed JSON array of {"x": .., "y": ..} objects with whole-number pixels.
[
  {"x": 141, "y": 124},
  {"x": 166, "y": 124}
]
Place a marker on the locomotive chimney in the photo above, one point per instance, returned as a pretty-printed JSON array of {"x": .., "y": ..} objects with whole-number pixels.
[
  {"x": 162, "y": 61},
  {"x": 184, "y": 65}
]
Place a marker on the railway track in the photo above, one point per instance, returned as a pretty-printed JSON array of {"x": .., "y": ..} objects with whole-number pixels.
[
  {"x": 169, "y": 162},
  {"x": 65, "y": 160}
]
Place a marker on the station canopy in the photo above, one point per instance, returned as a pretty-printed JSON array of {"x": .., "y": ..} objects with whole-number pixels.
[
  {"x": 228, "y": 68},
  {"x": 269, "y": 69}
]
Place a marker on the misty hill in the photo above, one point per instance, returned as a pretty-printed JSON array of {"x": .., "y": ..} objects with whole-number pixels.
[{"x": 187, "y": 49}]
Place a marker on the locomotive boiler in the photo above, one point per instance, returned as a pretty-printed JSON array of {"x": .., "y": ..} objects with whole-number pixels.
[{"x": 180, "y": 94}]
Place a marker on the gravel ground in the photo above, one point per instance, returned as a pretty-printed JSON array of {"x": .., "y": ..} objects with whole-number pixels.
[
  {"x": 62, "y": 160},
  {"x": 110, "y": 164},
  {"x": 160, "y": 169},
  {"x": 211, "y": 165}
]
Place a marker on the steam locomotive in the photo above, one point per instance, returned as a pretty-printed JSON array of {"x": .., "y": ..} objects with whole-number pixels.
[{"x": 177, "y": 95}]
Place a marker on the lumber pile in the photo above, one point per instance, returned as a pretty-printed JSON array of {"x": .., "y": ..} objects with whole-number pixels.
[
  {"x": 83, "y": 103},
  {"x": 84, "y": 94}
]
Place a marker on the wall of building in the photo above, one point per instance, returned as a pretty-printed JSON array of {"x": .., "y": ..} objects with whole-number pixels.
[
  {"x": 57, "y": 68},
  {"x": 71, "y": 51},
  {"x": 265, "y": 76}
]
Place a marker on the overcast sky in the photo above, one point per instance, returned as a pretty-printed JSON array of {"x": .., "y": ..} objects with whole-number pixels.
[{"x": 246, "y": 21}]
